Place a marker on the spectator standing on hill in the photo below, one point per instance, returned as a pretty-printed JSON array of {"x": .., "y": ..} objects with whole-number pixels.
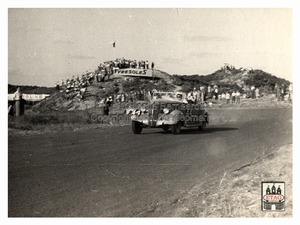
[
  {"x": 257, "y": 92},
  {"x": 223, "y": 97},
  {"x": 228, "y": 97},
  {"x": 238, "y": 97},
  {"x": 233, "y": 97},
  {"x": 122, "y": 97},
  {"x": 291, "y": 92},
  {"x": 216, "y": 92},
  {"x": 215, "y": 86},
  {"x": 278, "y": 94},
  {"x": 134, "y": 64},
  {"x": 282, "y": 92},
  {"x": 138, "y": 95},
  {"x": 131, "y": 64},
  {"x": 252, "y": 92},
  {"x": 105, "y": 73},
  {"x": 208, "y": 92},
  {"x": 275, "y": 88},
  {"x": 198, "y": 96},
  {"x": 57, "y": 85},
  {"x": 108, "y": 103},
  {"x": 82, "y": 91},
  {"x": 190, "y": 97},
  {"x": 130, "y": 97}
]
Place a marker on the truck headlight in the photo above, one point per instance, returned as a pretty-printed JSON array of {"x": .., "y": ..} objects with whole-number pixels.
[{"x": 166, "y": 110}]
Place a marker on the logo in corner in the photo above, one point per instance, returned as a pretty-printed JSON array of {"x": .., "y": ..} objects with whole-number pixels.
[{"x": 273, "y": 196}]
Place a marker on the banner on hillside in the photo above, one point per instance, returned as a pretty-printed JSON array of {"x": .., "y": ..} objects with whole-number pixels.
[
  {"x": 30, "y": 97},
  {"x": 132, "y": 72}
]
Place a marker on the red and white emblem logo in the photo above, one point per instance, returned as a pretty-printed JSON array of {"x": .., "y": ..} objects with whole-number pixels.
[{"x": 273, "y": 196}]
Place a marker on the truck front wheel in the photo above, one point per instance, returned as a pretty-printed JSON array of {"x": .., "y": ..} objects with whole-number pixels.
[
  {"x": 136, "y": 127},
  {"x": 203, "y": 126},
  {"x": 176, "y": 128}
]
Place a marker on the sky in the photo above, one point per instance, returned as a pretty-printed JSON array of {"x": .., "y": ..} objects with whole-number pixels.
[{"x": 46, "y": 45}]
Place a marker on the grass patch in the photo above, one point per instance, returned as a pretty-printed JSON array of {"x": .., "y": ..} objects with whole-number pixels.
[
  {"x": 238, "y": 193},
  {"x": 58, "y": 121},
  {"x": 35, "y": 121}
]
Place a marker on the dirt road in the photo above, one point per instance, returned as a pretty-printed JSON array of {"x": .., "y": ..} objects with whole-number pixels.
[{"x": 111, "y": 172}]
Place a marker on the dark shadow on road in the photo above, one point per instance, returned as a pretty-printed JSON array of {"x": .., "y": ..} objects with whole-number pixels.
[{"x": 191, "y": 131}]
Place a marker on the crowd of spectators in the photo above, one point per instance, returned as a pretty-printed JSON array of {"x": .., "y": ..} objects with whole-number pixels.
[
  {"x": 207, "y": 94},
  {"x": 110, "y": 67},
  {"x": 133, "y": 96},
  {"x": 234, "y": 97},
  {"x": 227, "y": 67},
  {"x": 76, "y": 87},
  {"x": 280, "y": 91},
  {"x": 203, "y": 94}
]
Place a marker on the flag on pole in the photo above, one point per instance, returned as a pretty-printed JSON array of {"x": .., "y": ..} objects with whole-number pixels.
[{"x": 114, "y": 44}]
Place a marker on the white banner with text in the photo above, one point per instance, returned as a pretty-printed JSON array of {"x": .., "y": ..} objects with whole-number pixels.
[{"x": 132, "y": 72}]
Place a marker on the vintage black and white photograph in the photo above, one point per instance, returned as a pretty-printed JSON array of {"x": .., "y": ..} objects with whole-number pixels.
[{"x": 150, "y": 112}]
